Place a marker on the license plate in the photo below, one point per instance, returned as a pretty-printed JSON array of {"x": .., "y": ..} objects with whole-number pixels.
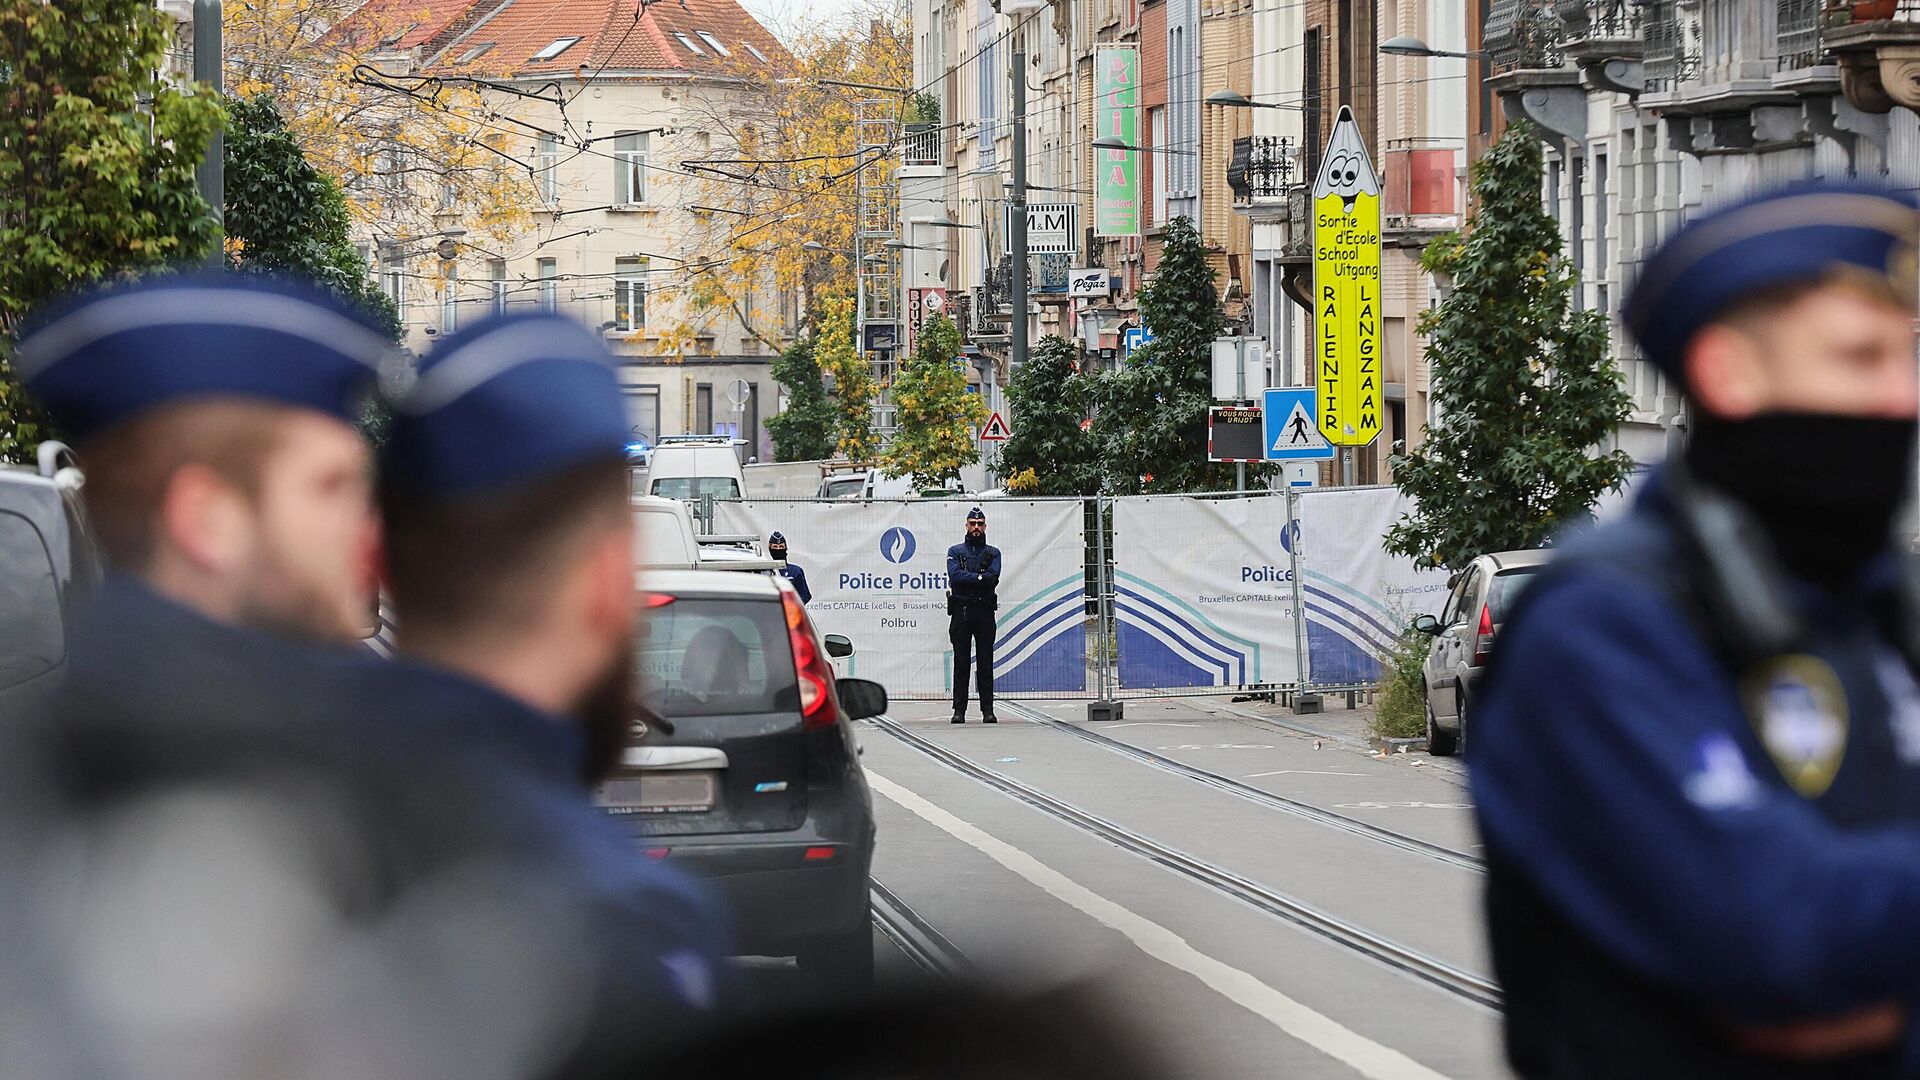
[{"x": 659, "y": 793}]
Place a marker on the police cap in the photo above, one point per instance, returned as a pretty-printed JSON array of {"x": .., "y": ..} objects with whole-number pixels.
[
  {"x": 110, "y": 354},
  {"x": 508, "y": 401},
  {"x": 1799, "y": 233}
]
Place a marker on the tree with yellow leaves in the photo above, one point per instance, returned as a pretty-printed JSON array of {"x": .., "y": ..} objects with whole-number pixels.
[{"x": 853, "y": 385}]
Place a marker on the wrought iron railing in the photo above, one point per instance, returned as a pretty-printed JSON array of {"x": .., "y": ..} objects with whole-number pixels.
[
  {"x": 1610, "y": 20},
  {"x": 1672, "y": 53},
  {"x": 1523, "y": 34},
  {"x": 1262, "y": 167},
  {"x": 1797, "y": 31}
]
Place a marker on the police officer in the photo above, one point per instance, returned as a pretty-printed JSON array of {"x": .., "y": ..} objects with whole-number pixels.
[
  {"x": 777, "y": 548},
  {"x": 1696, "y": 758},
  {"x": 509, "y": 559},
  {"x": 973, "y": 576}
]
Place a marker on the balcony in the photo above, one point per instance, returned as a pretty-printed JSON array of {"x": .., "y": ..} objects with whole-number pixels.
[
  {"x": 921, "y": 144},
  {"x": 1523, "y": 35},
  {"x": 1877, "y": 45},
  {"x": 1672, "y": 46},
  {"x": 1603, "y": 38},
  {"x": 1262, "y": 168},
  {"x": 1797, "y": 30},
  {"x": 1420, "y": 191},
  {"x": 1523, "y": 40}
]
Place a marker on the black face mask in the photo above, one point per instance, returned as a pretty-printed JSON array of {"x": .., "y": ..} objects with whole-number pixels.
[
  {"x": 1825, "y": 488},
  {"x": 777, "y": 554}
]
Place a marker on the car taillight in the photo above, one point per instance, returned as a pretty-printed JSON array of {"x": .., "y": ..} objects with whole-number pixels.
[
  {"x": 654, "y": 600},
  {"x": 818, "y": 708},
  {"x": 1483, "y": 639}
]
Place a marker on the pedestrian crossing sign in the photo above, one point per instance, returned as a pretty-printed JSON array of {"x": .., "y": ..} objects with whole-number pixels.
[{"x": 1290, "y": 430}]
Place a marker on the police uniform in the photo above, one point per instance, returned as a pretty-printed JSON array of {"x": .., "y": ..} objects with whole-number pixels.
[
  {"x": 791, "y": 570},
  {"x": 973, "y": 578},
  {"x": 1696, "y": 772}
]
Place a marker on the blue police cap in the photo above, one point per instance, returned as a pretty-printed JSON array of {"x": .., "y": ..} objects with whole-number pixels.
[
  {"x": 110, "y": 354},
  {"x": 976, "y": 514},
  {"x": 776, "y": 538},
  {"x": 1794, "y": 234},
  {"x": 507, "y": 401}
]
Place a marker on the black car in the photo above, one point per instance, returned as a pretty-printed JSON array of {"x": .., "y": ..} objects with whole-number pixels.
[
  {"x": 47, "y": 563},
  {"x": 742, "y": 768}
]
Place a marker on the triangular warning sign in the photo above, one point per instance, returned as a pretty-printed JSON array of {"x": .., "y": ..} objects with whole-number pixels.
[
  {"x": 995, "y": 430},
  {"x": 1298, "y": 433}
]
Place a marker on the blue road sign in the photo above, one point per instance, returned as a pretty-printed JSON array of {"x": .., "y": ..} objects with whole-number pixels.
[
  {"x": 1132, "y": 338},
  {"x": 1290, "y": 431}
]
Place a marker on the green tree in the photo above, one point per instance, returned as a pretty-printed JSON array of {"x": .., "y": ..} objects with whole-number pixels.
[
  {"x": 805, "y": 429},
  {"x": 1048, "y": 397},
  {"x": 288, "y": 218},
  {"x": 937, "y": 412},
  {"x": 854, "y": 389},
  {"x": 1152, "y": 419},
  {"x": 1522, "y": 382},
  {"x": 97, "y": 174}
]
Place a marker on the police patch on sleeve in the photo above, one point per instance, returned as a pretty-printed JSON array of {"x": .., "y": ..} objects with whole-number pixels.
[{"x": 1798, "y": 706}]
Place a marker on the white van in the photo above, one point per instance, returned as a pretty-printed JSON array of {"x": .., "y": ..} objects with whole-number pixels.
[
  {"x": 688, "y": 467},
  {"x": 664, "y": 539}
]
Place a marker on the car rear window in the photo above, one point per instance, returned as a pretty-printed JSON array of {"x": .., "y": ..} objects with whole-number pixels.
[
  {"x": 1507, "y": 586},
  {"x": 850, "y": 486},
  {"x": 715, "y": 657},
  {"x": 32, "y": 639},
  {"x": 693, "y": 487}
]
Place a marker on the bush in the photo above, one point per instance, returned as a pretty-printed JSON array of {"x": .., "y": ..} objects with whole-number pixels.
[{"x": 1401, "y": 709}]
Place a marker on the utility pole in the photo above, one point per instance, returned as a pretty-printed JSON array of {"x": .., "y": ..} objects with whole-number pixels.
[
  {"x": 1018, "y": 227},
  {"x": 207, "y": 63}
]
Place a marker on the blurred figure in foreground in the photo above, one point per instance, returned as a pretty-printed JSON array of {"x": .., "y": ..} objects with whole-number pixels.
[
  {"x": 510, "y": 563},
  {"x": 1696, "y": 758},
  {"x": 170, "y": 820}
]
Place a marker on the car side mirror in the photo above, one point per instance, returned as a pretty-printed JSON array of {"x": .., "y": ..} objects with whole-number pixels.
[
  {"x": 1426, "y": 624},
  {"x": 861, "y": 698},
  {"x": 838, "y": 645}
]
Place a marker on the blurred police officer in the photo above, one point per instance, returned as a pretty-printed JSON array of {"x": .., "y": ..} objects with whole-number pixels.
[
  {"x": 510, "y": 563},
  {"x": 1697, "y": 755},
  {"x": 181, "y": 803},
  {"x": 777, "y": 549},
  {"x": 973, "y": 575}
]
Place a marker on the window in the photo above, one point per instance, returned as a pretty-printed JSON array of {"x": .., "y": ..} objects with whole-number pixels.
[
  {"x": 714, "y": 657},
  {"x": 629, "y": 294},
  {"x": 1553, "y": 190},
  {"x": 450, "y": 300},
  {"x": 1156, "y": 163},
  {"x": 696, "y": 487},
  {"x": 713, "y": 43},
  {"x": 1310, "y": 95},
  {"x": 630, "y": 169},
  {"x": 691, "y": 47},
  {"x": 393, "y": 279},
  {"x": 497, "y": 284},
  {"x": 548, "y": 164},
  {"x": 32, "y": 638},
  {"x": 1601, "y": 218},
  {"x": 703, "y": 409},
  {"x": 559, "y": 46},
  {"x": 549, "y": 270},
  {"x": 757, "y": 54},
  {"x": 475, "y": 53},
  {"x": 1577, "y": 213}
]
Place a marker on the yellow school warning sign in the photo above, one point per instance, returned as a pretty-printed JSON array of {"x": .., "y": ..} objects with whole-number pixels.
[{"x": 1346, "y": 287}]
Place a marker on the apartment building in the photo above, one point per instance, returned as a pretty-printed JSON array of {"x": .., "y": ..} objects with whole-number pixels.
[{"x": 603, "y": 99}]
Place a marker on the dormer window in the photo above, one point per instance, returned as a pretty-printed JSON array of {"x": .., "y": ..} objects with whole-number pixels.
[
  {"x": 757, "y": 54},
  {"x": 688, "y": 42},
  {"x": 714, "y": 42},
  {"x": 476, "y": 52},
  {"x": 559, "y": 46}
]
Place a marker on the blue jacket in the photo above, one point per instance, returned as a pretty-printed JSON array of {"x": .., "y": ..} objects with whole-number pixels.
[
  {"x": 973, "y": 574},
  {"x": 792, "y": 572},
  {"x": 1656, "y": 871}
]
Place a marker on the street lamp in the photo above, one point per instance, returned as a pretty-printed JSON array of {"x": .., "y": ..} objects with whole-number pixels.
[
  {"x": 1408, "y": 45},
  {"x": 1112, "y": 142},
  {"x": 1233, "y": 99}
]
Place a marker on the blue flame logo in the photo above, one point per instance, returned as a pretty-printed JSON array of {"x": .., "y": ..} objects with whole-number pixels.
[
  {"x": 897, "y": 545},
  {"x": 1290, "y": 535}
]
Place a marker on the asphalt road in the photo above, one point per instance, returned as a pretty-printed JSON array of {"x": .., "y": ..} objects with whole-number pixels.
[{"x": 1314, "y": 915}]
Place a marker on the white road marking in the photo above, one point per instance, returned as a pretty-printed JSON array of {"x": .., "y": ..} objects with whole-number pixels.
[
  {"x": 1151, "y": 723},
  {"x": 1219, "y": 746},
  {"x": 1314, "y": 1028},
  {"x": 1299, "y": 772}
]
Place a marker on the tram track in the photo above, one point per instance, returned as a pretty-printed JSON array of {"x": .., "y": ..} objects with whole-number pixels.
[
  {"x": 925, "y": 946},
  {"x": 1297, "y": 808},
  {"x": 1432, "y": 970}
]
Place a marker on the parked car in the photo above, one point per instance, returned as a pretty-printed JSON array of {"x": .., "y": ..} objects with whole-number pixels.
[
  {"x": 689, "y": 467},
  {"x": 664, "y": 539},
  {"x": 1463, "y": 636},
  {"x": 742, "y": 769},
  {"x": 47, "y": 564}
]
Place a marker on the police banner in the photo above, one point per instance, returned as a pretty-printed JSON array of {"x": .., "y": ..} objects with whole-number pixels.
[
  {"x": 1204, "y": 588},
  {"x": 879, "y": 575}
]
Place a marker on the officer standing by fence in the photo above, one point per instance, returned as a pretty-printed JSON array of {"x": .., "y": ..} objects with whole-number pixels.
[
  {"x": 777, "y": 548},
  {"x": 973, "y": 576},
  {"x": 1696, "y": 756}
]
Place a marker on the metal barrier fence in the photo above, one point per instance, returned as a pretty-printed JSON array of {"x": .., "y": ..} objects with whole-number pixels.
[{"x": 1114, "y": 598}]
